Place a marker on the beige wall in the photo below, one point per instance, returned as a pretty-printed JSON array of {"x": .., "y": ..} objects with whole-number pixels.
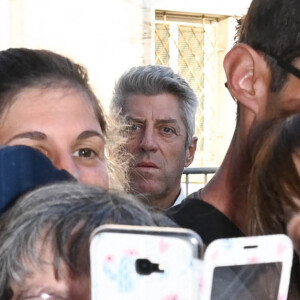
[
  {"x": 4, "y": 24},
  {"x": 218, "y": 7},
  {"x": 104, "y": 36}
]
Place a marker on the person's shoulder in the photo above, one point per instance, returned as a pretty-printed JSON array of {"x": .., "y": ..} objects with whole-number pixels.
[
  {"x": 191, "y": 202},
  {"x": 203, "y": 218}
]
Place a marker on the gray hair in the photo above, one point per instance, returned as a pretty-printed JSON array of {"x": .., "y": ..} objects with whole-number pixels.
[
  {"x": 62, "y": 217},
  {"x": 154, "y": 80}
]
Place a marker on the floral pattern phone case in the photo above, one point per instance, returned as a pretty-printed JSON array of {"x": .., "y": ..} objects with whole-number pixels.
[{"x": 132, "y": 262}]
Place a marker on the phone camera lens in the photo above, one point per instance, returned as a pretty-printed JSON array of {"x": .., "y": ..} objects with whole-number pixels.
[{"x": 143, "y": 266}]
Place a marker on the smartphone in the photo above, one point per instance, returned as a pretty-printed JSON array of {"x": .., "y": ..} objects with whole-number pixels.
[
  {"x": 247, "y": 268},
  {"x": 144, "y": 262}
]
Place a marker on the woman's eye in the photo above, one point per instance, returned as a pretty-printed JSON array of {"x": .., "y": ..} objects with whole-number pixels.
[{"x": 85, "y": 153}]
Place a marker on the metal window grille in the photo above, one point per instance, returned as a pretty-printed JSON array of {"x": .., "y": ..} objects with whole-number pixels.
[{"x": 188, "y": 44}]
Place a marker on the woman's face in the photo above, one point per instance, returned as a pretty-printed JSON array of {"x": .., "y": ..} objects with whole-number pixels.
[{"x": 60, "y": 122}]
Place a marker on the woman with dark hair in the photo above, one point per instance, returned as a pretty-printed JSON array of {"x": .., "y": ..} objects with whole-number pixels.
[
  {"x": 46, "y": 103},
  {"x": 274, "y": 190}
]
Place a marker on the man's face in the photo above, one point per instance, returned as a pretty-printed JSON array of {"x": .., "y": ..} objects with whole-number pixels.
[
  {"x": 61, "y": 123},
  {"x": 43, "y": 282},
  {"x": 157, "y": 138}
]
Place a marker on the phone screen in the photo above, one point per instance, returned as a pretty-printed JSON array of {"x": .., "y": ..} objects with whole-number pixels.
[{"x": 247, "y": 282}]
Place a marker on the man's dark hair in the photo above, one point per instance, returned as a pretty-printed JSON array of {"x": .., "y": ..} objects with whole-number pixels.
[{"x": 273, "y": 27}]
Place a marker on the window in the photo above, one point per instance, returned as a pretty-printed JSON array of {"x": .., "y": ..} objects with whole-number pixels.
[{"x": 190, "y": 45}]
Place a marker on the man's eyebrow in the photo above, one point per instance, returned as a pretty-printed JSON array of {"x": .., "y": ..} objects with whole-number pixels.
[
  {"x": 90, "y": 133},
  {"x": 32, "y": 135},
  {"x": 133, "y": 119},
  {"x": 167, "y": 121},
  {"x": 163, "y": 121}
]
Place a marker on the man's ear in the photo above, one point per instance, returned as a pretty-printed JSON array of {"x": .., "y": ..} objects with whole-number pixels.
[
  {"x": 190, "y": 152},
  {"x": 248, "y": 76}
]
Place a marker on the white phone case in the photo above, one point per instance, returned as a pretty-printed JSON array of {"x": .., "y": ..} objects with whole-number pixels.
[
  {"x": 116, "y": 249},
  {"x": 256, "y": 268}
]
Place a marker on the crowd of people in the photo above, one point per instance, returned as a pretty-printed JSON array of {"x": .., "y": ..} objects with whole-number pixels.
[{"x": 88, "y": 163}]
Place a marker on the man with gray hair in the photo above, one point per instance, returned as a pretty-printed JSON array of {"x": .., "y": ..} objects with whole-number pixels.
[{"x": 158, "y": 108}]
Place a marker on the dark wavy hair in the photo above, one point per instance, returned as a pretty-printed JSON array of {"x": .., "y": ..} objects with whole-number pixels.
[{"x": 274, "y": 181}]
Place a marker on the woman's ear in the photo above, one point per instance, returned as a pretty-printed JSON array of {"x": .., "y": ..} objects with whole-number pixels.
[{"x": 247, "y": 80}]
